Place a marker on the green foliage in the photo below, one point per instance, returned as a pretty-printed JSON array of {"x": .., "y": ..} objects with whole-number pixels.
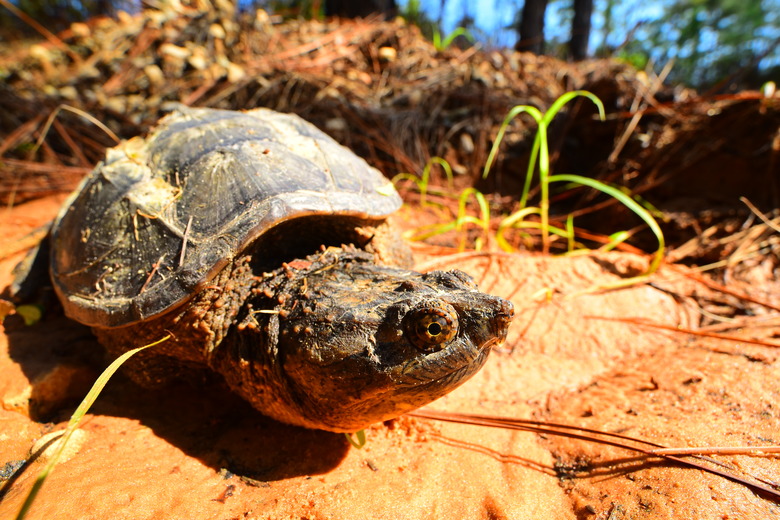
[
  {"x": 708, "y": 39},
  {"x": 637, "y": 60},
  {"x": 440, "y": 45},
  {"x": 422, "y": 182},
  {"x": 459, "y": 224},
  {"x": 463, "y": 218},
  {"x": 414, "y": 15}
]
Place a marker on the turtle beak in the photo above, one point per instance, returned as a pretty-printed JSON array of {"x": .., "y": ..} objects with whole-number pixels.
[
  {"x": 502, "y": 318},
  {"x": 494, "y": 323}
]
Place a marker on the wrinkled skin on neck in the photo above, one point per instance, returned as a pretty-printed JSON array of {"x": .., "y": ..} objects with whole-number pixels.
[{"x": 335, "y": 342}]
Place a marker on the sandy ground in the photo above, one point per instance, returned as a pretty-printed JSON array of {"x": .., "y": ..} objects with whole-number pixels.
[{"x": 201, "y": 453}]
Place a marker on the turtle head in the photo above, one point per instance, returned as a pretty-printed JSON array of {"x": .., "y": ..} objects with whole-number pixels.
[{"x": 355, "y": 343}]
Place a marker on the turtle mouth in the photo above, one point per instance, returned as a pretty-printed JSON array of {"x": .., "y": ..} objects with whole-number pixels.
[
  {"x": 443, "y": 369},
  {"x": 500, "y": 322},
  {"x": 494, "y": 342},
  {"x": 462, "y": 374}
]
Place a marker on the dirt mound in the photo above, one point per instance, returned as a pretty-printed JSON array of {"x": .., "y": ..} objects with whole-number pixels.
[{"x": 384, "y": 91}]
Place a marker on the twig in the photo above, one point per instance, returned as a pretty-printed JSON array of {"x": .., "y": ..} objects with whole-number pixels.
[
  {"x": 756, "y": 212},
  {"x": 645, "y": 323},
  {"x": 185, "y": 239},
  {"x": 155, "y": 268},
  {"x": 591, "y": 435},
  {"x": 76, "y": 111},
  {"x": 722, "y": 288}
]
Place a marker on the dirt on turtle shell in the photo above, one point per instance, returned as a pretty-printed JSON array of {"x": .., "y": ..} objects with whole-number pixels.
[{"x": 200, "y": 453}]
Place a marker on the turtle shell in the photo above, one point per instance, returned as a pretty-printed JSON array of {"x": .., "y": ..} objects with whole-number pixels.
[{"x": 161, "y": 216}]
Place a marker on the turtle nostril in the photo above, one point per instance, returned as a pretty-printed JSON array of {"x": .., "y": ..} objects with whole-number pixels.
[
  {"x": 505, "y": 312},
  {"x": 502, "y": 318}
]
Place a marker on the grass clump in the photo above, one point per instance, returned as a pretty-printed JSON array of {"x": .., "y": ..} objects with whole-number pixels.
[
  {"x": 422, "y": 181},
  {"x": 459, "y": 223},
  {"x": 540, "y": 156},
  {"x": 462, "y": 218},
  {"x": 442, "y": 44},
  {"x": 520, "y": 220}
]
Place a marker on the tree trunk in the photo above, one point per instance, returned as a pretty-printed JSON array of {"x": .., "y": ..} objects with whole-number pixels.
[
  {"x": 580, "y": 29},
  {"x": 353, "y": 9},
  {"x": 531, "y": 28}
]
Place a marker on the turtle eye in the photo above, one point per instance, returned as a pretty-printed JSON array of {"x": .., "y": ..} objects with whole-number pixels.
[{"x": 431, "y": 326}]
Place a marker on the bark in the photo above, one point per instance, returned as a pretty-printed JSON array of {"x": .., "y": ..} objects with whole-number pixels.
[
  {"x": 580, "y": 29},
  {"x": 531, "y": 28},
  {"x": 353, "y": 9}
]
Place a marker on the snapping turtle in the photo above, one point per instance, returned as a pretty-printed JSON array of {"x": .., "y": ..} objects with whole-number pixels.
[{"x": 223, "y": 229}]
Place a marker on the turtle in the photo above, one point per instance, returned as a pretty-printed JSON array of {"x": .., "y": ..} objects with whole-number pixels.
[{"x": 264, "y": 250}]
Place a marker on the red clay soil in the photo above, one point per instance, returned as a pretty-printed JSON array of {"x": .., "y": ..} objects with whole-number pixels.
[{"x": 201, "y": 453}]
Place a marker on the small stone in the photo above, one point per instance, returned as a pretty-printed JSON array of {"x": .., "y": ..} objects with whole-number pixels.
[
  {"x": 388, "y": 54},
  {"x": 69, "y": 92},
  {"x": 235, "y": 72},
  {"x": 154, "y": 74},
  {"x": 198, "y": 59},
  {"x": 217, "y": 31},
  {"x": 174, "y": 51},
  {"x": 124, "y": 18},
  {"x": 336, "y": 124},
  {"x": 466, "y": 144},
  {"x": 80, "y": 30}
]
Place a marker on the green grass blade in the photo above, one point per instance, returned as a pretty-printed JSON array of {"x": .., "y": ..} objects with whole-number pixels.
[
  {"x": 544, "y": 156},
  {"x": 445, "y": 166},
  {"x": 454, "y": 34},
  {"x": 615, "y": 239},
  {"x": 427, "y": 232},
  {"x": 360, "y": 441},
  {"x": 75, "y": 420},
  {"x": 559, "y": 103},
  {"x": 422, "y": 182},
  {"x": 512, "y": 220},
  {"x": 484, "y": 221},
  {"x": 544, "y": 185},
  {"x": 437, "y": 40},
  {"x": 517, "y": 110},
  {"x": 626, "y": 201},
  {"x": 530, "y": 224},
  {"x": 539, "y": 149},
  {"x": 570, "y": 233},
  {"x": 529, "y": 172},
  {"x": 517, "y": 221},
  {"x": 405, "y": 177}
]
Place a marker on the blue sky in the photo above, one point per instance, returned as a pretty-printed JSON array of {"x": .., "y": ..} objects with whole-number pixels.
[{"x": 492, "y": 18}]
